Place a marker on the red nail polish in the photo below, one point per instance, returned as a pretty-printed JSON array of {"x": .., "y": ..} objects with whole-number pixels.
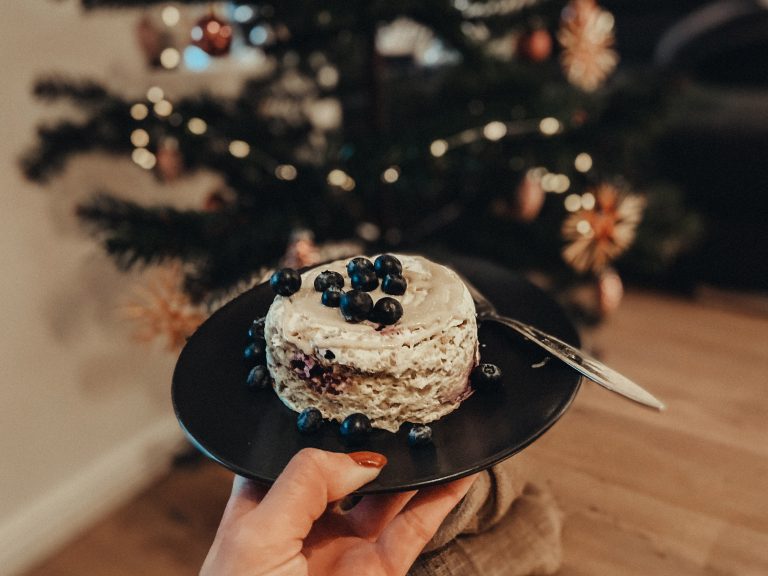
[{"x": 369, "y": 459}]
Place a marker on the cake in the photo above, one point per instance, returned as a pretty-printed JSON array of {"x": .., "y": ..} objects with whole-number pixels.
[{"x": 413, "y": 370}]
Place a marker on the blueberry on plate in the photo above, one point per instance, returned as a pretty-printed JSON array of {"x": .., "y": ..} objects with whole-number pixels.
[
  {"x": 365, "y": 280},
  {"x": 394, "y": 284},
  {"x": 387, "y": 264},
  {"x": 356, "y": 305},
  {"x": 355, "y": 427},
  {"x": 309, "y": 421},
  {"x": 386, "y": 311},
  {"x": 258, "y": 378},
  {"x": 328, "y": 278},
  {"x": 485, "y": 377},
  {"x": 332, "y": 297},
  {"x": 285, "y": 282},
  {"x": 419, "y": 435},
  {"x": 255, "y": 351},
  {"x": 358, "y": 264}
]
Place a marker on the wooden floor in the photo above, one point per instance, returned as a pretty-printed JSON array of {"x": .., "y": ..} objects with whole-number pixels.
[{"x": 679, "y": 493}]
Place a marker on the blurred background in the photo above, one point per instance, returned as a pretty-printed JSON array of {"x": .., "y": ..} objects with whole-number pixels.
[{"x": 161, "y": 157}]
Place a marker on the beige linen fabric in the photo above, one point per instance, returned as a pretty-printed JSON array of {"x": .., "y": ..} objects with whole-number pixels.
[{"x": 504, "y": 526}]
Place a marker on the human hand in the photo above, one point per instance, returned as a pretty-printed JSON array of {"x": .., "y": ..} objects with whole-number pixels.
[{"x": 289, "y": 529}]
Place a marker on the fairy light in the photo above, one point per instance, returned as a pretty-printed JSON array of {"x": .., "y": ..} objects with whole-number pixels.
[
  {"x": 349, "y": 184},
  {"x": 170, "y": 16},
  {"x": 337, "y": 177},
  {"x": 391, "y": 175},
  {"x": 197, "y": 126},
  {"x": 163, "y": 108},
  {"x": 495, "y": 130},
  {"x": 239, "y": 148},
  {"x": 560, "y": 183},
  {"x": 139, "y": 111},
  {"x": 144, "y": 158},
  {"x": 140, "y": 138},
  {"x": 368, "y": 231},
  {"x": 327, "y": 76},
  {"x": 438, "y": 148},
  {"x": 155, "y": 94},
  {"x": 588, "y": 201},
  {"x": 549, "y": 126},
  {"x": 572, "y": 203},
  {"x": 286, "y": 172},
  {"x": 583, "y": 227},
  {"x": 583, "y": 162},
  {"x": 170, "y": 58}
]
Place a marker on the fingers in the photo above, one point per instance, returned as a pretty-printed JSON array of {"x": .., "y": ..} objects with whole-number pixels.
[
  {"x": 311, "y": 480},
  {"x": 374, "y": 512},
  {"x": 407, "y": 534}
]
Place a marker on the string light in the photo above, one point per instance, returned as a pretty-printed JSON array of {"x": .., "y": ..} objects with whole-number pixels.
[
  {"x": 337, "y": 177},
  {"x": 170, "y": 15},
  {"x": 588, "y": 201},
  {"x": 438, "y": 148},
  {"x": 572, "y": 202},
  {"x": 549, "y": 126},
  {"x": 243, "y": 13},
  {"x": 583, "y": 162},
  {"x": 583, "y": 227},
  {"x": 155, "y": 94},
  {"x": 327, "y": 76},
  {"x": 197, "y": 126},
  {"x": 163, "y": 108},
  {"x": 170, "y": 58},
  {"x": 286, "y": 172},
  {"x": 239, "y": 148},
  {"x": 144, "y": 158},
  {"x": 391, "y": 175},
  {"x": 495, "y": 130},
  {"x": 140, "y": 138},
  {"x": 139, "y": 111}
]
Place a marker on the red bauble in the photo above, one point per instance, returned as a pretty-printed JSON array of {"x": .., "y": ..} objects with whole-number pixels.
[
  {"x": 535, "y": 45},
  {"x": 212, "y": 35}
]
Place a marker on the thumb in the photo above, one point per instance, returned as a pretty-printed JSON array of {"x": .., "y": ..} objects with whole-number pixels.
[{"x": 311, "y": 480}]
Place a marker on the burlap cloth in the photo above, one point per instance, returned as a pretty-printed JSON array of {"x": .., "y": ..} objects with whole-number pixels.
[{"x": 505, "y": 526}]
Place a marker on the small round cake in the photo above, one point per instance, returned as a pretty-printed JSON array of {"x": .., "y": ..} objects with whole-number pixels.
[{"x": 413, "y": 370}]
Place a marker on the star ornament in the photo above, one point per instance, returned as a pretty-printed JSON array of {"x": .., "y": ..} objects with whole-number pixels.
[
  {"x": 597, "y": 236},
  {"x": 586, "y": 35}
]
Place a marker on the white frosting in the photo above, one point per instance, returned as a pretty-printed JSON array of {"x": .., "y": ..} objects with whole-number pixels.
[{"x": 434, "y": 301}]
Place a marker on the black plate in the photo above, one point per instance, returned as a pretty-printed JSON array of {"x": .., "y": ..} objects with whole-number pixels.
[{"x": 254, "y": 434}]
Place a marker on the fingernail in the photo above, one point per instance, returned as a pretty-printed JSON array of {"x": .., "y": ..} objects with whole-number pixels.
[{"x": 369, "y": 459}]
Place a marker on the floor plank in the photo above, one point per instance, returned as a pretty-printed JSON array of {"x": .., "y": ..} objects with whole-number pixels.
[{"x": 679, "y": 493}]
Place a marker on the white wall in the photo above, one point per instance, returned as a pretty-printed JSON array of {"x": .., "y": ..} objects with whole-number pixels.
[{"x": 85, "y": 415}]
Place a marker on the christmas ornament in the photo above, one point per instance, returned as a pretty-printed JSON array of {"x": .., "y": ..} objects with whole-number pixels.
[
  {"x": 162, "y": 309},
  {"x": 610, "y": 291},
  {"x": 535, "y": 45},
  {"x": 529, "y": 198},
  {"x": 302, "y": 250},
  {"x": 212, "y": 35},
  {"x": 169, "y": 161},
  {"x": 598, "y": 235},
  {"x": 586, "y": 35}
]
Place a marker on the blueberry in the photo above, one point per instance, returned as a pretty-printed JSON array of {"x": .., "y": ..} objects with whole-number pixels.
[
  {"x": 358, "y": 264},
  {"x": 485, "y": 377},
  {"x": 329, "y": 278},
  {"x": 387, "y": 264},
  {"x": 331, "y": 297},
  {"x": 256, "y": 331},
  {"x": 255, "y": 351},
  {"x": 419, "y": 434},
  {"x": 285, "y": 282},
  {"x": 355, "y": 427},
  {"x": 364, "y": 280},
  {"x": 386, "y": 311},
  {"x": 394, "y": 284},
  {"x": 309, "y": 421},
  {"x": 355, "y": 305},
  {"x": 258, "y": 378}
]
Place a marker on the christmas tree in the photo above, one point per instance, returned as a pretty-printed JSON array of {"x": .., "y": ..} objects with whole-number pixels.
[{"x": 499, "y": 128}]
